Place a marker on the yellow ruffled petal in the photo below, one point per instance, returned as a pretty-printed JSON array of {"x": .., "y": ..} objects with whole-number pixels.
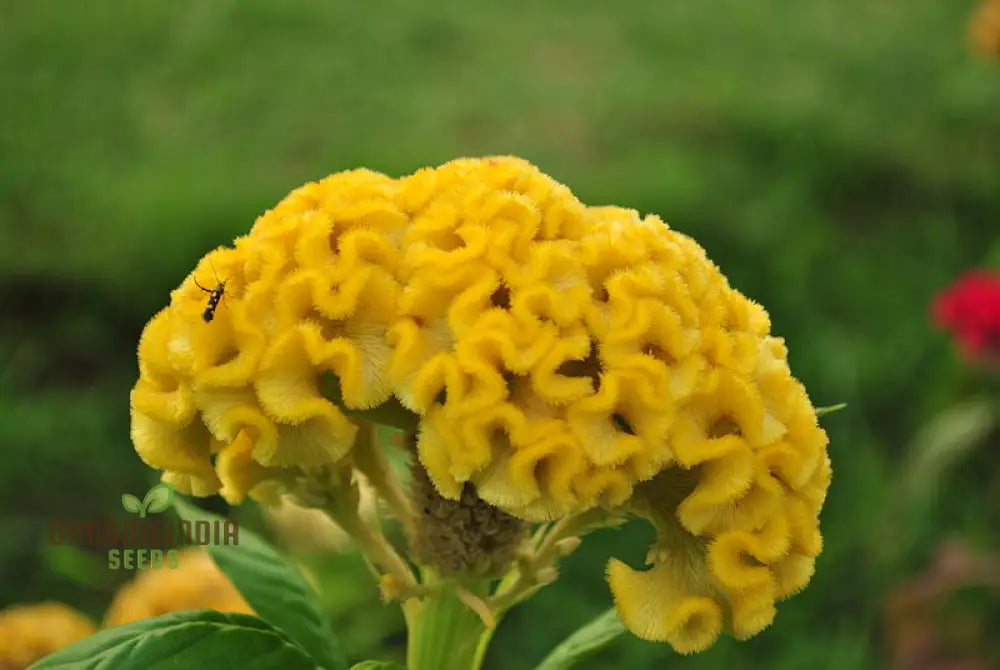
[
  {"x": 204, "y": 484},
  {"x": 752, "y": 610},
  {"x": 175, "y": 406},
  {"x": 238, "y": 471},
  {"x": 607, "y": 488},
  {"x": 666, "y": 604},
  {"x": 435, "y": 444},
  {"x": 167, "y": 446},
  {"x": 440, "y": 374},
  {"x": 536, "y": 475},
  {"x": 154, "y": 364},
  {"x": 312, "y": 430}
]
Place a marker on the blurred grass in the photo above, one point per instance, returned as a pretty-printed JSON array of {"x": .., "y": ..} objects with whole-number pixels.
[{"x": 839, "y": 161}]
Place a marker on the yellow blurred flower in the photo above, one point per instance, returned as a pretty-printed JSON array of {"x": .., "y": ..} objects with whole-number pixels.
[
  {"x": 984, "y": 28},
  {"x": 196, "y": 583},
  {"x": 30, "y": 632},
  {"x": 558, "y": 357}
]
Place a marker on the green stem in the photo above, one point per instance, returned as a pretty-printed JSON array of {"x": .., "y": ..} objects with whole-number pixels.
[
  {"x": 512, "y": 590},
  {"x": 484, "y": 643},
  {"x": 371, "y": 461},
  {"x": 444, "y": 634},
  {"x": 372, "y": 542}
]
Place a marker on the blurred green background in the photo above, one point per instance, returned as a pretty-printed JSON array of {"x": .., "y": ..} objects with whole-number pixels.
[{"x": 840, "y": 161}]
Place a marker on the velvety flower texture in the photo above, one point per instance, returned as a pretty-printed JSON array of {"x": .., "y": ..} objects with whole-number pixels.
[
  {"x": 971, "y": 309},
  {"x": 558, "y": 357}
]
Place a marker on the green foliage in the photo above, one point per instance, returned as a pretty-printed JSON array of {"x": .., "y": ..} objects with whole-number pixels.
[
  {"x": 194, "y": 640},
  {"x": 948, "y": 438},
  {"x": 823, "y": 411},
  {"x": 366, "y": 627},
  {"x": 273, "y": 588},
  {"x": 584, "y": 642}
]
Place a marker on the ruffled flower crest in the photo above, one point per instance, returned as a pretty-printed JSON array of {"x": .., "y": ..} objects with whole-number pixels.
[{"x": 556, "y": 358}]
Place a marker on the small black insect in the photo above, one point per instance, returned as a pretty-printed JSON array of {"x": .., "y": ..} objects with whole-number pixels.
[{"x": 214, "y": 296}]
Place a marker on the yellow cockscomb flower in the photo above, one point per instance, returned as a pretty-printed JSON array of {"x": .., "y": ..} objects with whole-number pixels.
[
  {"x": 30, "y": 632},
  {"x": 195, "y": 583},
  {"x": 557, "y": 358}
]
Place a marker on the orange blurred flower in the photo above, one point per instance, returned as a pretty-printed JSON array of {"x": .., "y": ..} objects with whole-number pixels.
[
  {"x": 29, "y": 632},
  {"x": 196, "y": 583},
  {"x": 984, "y": 28}
]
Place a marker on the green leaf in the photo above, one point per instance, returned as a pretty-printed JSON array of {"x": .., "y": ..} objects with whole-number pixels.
[
  {"x": 273, "y": 588},
  {"x": 586, "y": 640},
  {"x": 949, "y": 437},
  {"x": 131, "y": 503},
  {"x": 79, "y": 565},
  {"x": 193, "y": 640},
  {"x": 377, "y": 665},
  {"x": 830, "y": 409},
  {"x": 158, "y": 498}
]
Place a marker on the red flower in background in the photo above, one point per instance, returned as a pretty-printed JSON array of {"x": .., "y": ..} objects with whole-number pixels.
[{"x": 971, "y": 309}]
